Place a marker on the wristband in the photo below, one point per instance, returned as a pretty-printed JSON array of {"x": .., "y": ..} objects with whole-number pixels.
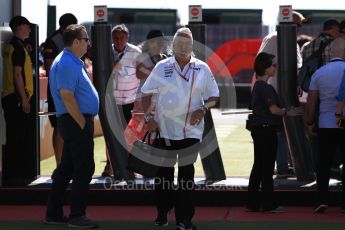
[
  {"x": 285, "y": 112},
  {"x": 338, "y": 114},
  {"x": 148, "y": 118},
  {"x": 204, "y": 108}
]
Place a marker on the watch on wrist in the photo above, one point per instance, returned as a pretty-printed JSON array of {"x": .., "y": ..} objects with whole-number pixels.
[
  {"x": 148, "y": 118},
  {"x": 285, "y": 112},
  {"x": 204, "y": 108},
  {"x": 338, "y": 114}
]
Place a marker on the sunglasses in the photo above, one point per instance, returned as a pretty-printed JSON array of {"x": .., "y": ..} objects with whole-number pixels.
[{"x": 85, "y": 39}]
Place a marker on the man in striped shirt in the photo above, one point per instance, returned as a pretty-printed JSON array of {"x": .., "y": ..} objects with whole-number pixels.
[{"x": 126, "y": 82}]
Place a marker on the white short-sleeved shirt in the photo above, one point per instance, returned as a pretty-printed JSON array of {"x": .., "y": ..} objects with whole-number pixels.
[
  {"x": 178, "y": 97},
  {"x": 126, "y": 82},
  {"x": 326, "y": 80}
]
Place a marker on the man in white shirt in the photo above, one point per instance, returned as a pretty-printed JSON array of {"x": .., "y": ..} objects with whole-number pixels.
[
  {"x": 126, "y": 82},
  {"x": 185, "y": 89}
]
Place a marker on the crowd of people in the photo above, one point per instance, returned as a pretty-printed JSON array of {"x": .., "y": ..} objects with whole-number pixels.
[
  {"x": 318, "y": 108},
  {"x": 169, "y": 94},
  {"x": 322, "y": 115}
]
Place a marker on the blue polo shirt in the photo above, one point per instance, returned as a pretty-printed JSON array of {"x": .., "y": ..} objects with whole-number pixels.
[
  {"x": 68, "y": 72},
  {"x": 341, "y": 92}
]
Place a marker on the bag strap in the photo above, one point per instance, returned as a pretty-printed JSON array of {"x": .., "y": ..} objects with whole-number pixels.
[
  {"x": 323, "y": 43},
  {"x": 146, "y": 134},
  {"x": 158, "y": 135},
  {"x": 147, "y": 137},
  {"x": 322, "y": 48}
]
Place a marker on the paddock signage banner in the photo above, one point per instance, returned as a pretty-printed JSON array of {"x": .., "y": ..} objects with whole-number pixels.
[
  {"x": 285, "y": 14},
  {"x": 101, "y": 14},
  {"x": 195, "y": 13}
]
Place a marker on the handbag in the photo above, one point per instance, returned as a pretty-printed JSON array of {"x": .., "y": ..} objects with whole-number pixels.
[
  {"x": 249, "y": 122},
  {"x": 135, "y": 130},
  {"x": 142, "y": 159}
]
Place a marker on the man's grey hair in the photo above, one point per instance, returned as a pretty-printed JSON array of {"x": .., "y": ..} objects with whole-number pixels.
[
  {"x": 120, "y": 28},
  {"x": 183, "y": 30}
]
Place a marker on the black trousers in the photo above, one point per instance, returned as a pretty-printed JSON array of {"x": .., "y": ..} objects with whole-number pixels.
[
  {"x": 125, "y": 113},
  {"x": 77, "y": 163},
  {"x": 260, "y": 188},
  {"x": 51, "y": 107},
  {"x": 329, "y": 141},
  {"x": 19, "y": 155},
  {"x": 181, "y": 197}
]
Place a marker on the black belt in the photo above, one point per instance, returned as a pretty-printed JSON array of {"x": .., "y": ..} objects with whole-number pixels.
[
  {"x": 86, "y": 115},
  {"x": 267, "y": 126}
]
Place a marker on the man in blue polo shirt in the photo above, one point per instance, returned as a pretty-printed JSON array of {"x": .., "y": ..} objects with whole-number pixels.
[{"x": 76, "y": 101}]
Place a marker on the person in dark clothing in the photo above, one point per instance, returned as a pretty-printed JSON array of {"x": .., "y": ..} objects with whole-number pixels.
[
  {"x": 52, "y": 47},
  {"x": 265, "y": 122},
  {"x": 17, "y": 104},
  {"x": 76, "y": 101}
]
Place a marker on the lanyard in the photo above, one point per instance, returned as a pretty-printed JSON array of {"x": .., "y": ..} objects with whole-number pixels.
[
  {"x": 189, "y": 106},
  {"x": 185, "y": 77},
  {"x": 119, "y": 57}
]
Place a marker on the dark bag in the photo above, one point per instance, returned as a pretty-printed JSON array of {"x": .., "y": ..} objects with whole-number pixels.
[
  {"x": 341, "y": 123},
  {"x": 310, "y": 66},
  {"x": 249, "y": 122},
  {"x": 141, "y": 159}
]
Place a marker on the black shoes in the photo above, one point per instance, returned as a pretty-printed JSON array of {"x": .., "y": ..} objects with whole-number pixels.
[
  {"x": 107, "y": 171},
  {"x": 321, "y": 208},
  {"x": 342, "y": 210},
  {"x": 162, "y": 219},
  {"x": 186, "y": 226},
  {"x": 271, "y": 209},
  {"x": 253, "y": 208},
  {"x": 55, "y": 220},
  {"x": 290, "y": 172},
  {"x": 276, "y": 209},
  {"x": 81, "y": 222}
]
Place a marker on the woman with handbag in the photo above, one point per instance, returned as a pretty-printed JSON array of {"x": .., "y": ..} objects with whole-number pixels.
[
  {"x": 151, "y": 54},
  {"x": 266, "y": 121},
  {"x": 185, "y": 88}
]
